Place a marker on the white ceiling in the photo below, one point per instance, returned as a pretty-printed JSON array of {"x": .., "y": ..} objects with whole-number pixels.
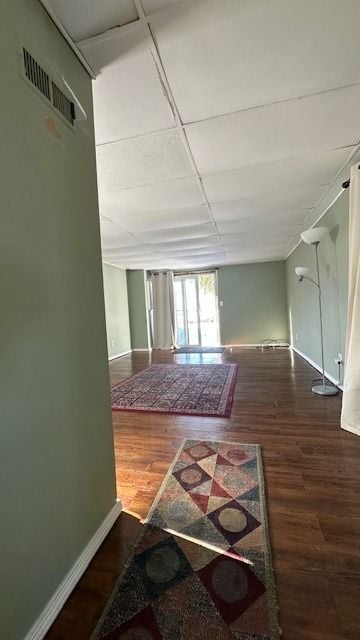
[
  {"x": 222, "y": 128},
  {"x": 85, "y": 18}
]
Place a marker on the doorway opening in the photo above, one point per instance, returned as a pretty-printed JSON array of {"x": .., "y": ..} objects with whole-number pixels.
[{"x": 196, "y": 308}]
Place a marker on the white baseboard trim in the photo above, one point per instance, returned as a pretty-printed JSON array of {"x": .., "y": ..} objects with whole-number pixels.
[
  {"x": 230, "y": 346},
  {"x": 119, "y": 355},
  {"x": 255, "y": 344},
  {"x": 317, "y": 367},
  {"x": 356, "y": 432},
  {"x": 56, "y": 603}
]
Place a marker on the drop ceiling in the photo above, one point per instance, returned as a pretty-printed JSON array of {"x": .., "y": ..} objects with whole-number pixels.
[{"x": 223, "y": 129}]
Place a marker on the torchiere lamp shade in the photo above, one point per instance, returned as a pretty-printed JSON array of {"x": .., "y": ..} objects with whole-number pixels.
[
  {"x": 312, "y": 236},
  {"x": 302, "y": 271}
]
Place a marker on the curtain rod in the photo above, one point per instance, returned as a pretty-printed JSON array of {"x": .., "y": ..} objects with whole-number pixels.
[
  {"x": 156, "y": 273},
  {"x": 182, "y": 273},
  {"x": 194, "y": 271},
  {"x": 346, "y": 184}
]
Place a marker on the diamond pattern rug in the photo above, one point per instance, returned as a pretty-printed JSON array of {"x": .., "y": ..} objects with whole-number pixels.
[
  {"x": 201, "y": 569},
  {"x": 195, "y": 389}
]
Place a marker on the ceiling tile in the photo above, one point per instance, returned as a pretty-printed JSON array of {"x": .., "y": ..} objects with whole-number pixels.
[
  {"x": 236, "y": 244},
  {"x": 129, "y": 99},
  {"x": 121, "y": 246},
  {"x": 171, "y": 246},
  {"x": 115, "y": 242},
  {"x": 108, "y": 228},
  {"x": 127, "y": 257},
  {"x": 133, "y": 263},
  {"x": 174, "y": 194},
  {"x": 190, "y": 251},
  {"x": 154, "y": 220},
  {"x": 180, "y": 233},
  {"x": 271, "y": 51},
  {"x": 151, "y": 6},
  {"x": 142, "y": 160},
  {"x": 112, "y": 232},
  {"x": 159, "y": 262},
  {"x": 256, "y": 255},
  {"x": 285, "y": 203},
  {"x": 277, "y": 131},
  {"x": 308, "y": 171},
  {"x": 85, "y": 18},
  {"x": 135, "y": 251},
  {"x": 263, "y": 168},
  {"x": 259, "y": 226},
  {"x": 208, "y": 260},
  {"x": 275, "y": 236},
  {"x": 237, "y": 211}
]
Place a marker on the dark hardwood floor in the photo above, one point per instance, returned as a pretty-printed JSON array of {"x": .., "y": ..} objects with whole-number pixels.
[{"x": 312, "y": 473}]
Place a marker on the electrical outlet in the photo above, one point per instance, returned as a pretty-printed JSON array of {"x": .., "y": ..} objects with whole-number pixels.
[
  {"x": 296, "y": 337},
  {"x": 113, "y": 343}
]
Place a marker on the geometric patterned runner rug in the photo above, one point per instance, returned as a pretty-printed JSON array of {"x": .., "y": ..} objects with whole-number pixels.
[
  {"x": 201, "y": 569},
  {"x": 195, "y": 389}
]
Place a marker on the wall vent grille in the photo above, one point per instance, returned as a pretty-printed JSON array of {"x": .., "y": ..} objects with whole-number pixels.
[
  {"x": 62, "y": 103},
  {"x": 40, "y": 79},
  {"x": 36, "y": 74}
]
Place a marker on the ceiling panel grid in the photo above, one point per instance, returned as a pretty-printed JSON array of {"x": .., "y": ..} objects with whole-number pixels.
[{"x": 222, "y": 128}]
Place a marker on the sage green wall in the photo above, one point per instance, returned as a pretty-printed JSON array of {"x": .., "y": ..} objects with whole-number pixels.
[
  {"x": 56, "y": 454},
  {"x": 116, "y": 310},
  {"x": 254, "y": 303},
  {"x": 303, "y": 300},
  {"x": 137, "y": 309}
]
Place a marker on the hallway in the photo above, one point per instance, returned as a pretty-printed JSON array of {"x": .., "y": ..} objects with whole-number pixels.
[{"x": 311, "y": 472}]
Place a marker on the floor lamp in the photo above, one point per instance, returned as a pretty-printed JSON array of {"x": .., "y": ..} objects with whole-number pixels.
[{"x": 314, "y": 236}]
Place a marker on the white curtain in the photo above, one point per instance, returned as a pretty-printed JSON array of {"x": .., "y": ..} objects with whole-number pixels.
[
  {"x": 163, "y": 310},
  {"x": 350, "y": 417}
]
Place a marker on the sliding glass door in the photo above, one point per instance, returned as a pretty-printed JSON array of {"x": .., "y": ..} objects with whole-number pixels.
[{"x": 196, "y": 309}]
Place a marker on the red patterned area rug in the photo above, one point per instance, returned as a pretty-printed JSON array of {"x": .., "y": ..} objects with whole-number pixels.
[
  {"x": 201, "y": 569},
  {"x": 195, "y": 389}
]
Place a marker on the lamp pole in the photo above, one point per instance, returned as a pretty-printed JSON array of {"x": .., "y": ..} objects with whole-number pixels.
[
  {"x": 321, "y": 320},
  {"x": 313, "y": 236},
  {"x": 321, "y": 389}
]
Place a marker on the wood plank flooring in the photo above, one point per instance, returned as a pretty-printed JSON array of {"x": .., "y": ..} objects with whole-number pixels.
[{"x": 312, "y": 473}]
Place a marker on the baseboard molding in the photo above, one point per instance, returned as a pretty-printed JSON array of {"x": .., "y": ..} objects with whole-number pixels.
[
  {"x": 256, "y": 344},
  {"x": 356, "y": 432},
  {"x": 119, "y": 355},
  {"x": 317, "y": 367},
  {"x": 226, "y": 346},
  {"x": 56, "y": 603}
]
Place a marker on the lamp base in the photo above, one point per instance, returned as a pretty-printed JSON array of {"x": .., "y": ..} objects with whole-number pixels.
[{"x": 324, "y": 390}]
